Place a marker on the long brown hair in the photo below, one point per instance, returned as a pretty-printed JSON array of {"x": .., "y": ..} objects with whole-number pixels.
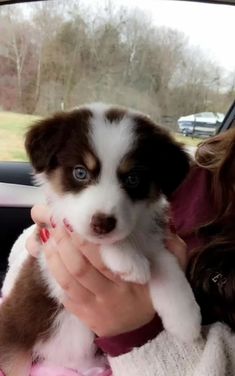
[
  {"x": 217, "y": 155},
  {"x": 211, "y": 269},
  {"x": 211, "y": 273}
]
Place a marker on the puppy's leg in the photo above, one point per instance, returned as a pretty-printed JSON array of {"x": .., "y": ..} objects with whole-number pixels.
[
  {"x": 26, "y": 316},
  {"x": 173, "y": 298},
  {"x": 124, "y": 259}
]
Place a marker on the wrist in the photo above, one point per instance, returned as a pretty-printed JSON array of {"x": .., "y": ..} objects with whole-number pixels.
[
  {"x": 121, "y": 326},
  {"x": 125, "y": 342}
]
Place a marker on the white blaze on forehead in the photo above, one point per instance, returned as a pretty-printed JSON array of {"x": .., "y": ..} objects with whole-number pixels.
[{"x": 111, "y": 141}]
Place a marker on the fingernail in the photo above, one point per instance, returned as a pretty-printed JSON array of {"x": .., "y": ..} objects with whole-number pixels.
[
  {"x": 44, "y": 235},
  {"x": 68, "y": 225},
  {"x": 53, "y": 224}
]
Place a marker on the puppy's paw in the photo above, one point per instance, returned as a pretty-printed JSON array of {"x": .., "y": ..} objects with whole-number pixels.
[
  {"x": 138, "y": 272},
  {"x": 186, "y": 326},
  {"x": 129, "y": 265}
]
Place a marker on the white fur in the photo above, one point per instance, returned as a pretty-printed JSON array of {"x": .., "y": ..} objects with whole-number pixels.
[
  {"x": 16, "y": 259},
  {"x": 134, "y": 249},
  {"x": 171, "y": 294},
  {"x": 71, "y": 346}
]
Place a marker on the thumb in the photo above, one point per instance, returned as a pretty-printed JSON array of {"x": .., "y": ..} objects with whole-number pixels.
[{"x": 178, "y": 247}]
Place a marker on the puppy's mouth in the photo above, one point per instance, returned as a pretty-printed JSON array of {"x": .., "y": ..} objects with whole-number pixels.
[{"x": 106, "y": 238}]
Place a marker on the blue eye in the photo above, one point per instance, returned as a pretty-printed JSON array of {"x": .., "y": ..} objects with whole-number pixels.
[
  {"x": 132, "y": 180},
  {"x": 81, "y": 174}
]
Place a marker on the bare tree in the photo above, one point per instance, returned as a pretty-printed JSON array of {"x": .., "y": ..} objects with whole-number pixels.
[
  {"x": 63, "y": 54},
  {"x": 17, "y": 44}
]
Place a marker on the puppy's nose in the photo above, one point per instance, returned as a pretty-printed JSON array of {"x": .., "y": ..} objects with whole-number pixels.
[{"x": 102, "y": 223}]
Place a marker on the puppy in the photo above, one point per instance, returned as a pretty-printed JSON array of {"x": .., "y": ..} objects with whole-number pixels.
[{"x": 108, "y": 172}]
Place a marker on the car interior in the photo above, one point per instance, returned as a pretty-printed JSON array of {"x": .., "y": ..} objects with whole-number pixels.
[{"x": 18, "y": 193}]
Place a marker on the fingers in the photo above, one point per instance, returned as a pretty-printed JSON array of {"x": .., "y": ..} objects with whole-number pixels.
[
  {"x": 41, "y": 215},
  {"x": 76, "y": 265},
  {"x": 91, "y": 252},
  {"x": 71, "y": 306},
  {"x": 32, "y": 243},
  {"x": 60, "y": 272},
  {"x": 80, "y": 267},
  {"x": 178, "y": 247},
  {"x": 71, "y": 268}
]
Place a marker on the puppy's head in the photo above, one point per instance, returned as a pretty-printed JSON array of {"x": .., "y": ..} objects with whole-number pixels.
[{"x": 104, "y": 166}]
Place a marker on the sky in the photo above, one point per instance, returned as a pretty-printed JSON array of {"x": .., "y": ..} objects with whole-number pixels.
[{"x": 210, "y": 26}]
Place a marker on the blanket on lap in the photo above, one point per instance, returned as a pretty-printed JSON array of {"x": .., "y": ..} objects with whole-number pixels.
[{"x": 40, "y": 370}]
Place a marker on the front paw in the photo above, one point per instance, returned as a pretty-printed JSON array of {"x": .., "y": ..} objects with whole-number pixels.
[
  {"x": 185, "y": 325},
  {"x": 130, "y": 266},
  {"x": 137, "y": 272}
]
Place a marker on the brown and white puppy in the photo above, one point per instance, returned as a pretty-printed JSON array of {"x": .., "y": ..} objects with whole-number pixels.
[{"x": 108, "y": 172}]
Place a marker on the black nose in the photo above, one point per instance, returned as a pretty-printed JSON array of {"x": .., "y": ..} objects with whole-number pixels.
[{"x": 102, "y": 224}]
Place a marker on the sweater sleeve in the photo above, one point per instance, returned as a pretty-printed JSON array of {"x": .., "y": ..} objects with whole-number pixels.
[
  {"x": 123, "y": 343},
  {"x": 212, "y": 355}
]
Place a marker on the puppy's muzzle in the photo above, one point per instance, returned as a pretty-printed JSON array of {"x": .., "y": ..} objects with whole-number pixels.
[{"x": 102, "y": 224}]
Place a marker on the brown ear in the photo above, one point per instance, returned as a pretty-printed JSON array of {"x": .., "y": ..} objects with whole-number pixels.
[
  {"x": 46, "y": 139},
  {"x": 169, "y": 162},
  {"x": 174, "y": 166},
  {"x": 43, "y": 141}
]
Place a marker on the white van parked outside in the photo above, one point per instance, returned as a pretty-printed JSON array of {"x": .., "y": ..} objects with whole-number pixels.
[{"x": 201, "y": 124}]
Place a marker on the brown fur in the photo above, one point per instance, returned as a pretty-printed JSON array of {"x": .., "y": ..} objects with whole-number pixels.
[
  {"x": 47, "y": 141},
  {"x": 168, "y": 162},
  {"x": 116, "y": 114},
  {"x": 62, "y": 141},
  {"x": 27, "y": 314}
]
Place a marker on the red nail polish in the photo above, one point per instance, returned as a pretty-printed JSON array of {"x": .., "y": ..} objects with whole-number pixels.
[
  {"x": 53, "y": 224},
  {"x": 68, "y": 225},
  {"x": 44, "y": 235}
]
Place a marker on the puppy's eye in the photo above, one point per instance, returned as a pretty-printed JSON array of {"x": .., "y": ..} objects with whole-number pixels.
[
  {"x": 132, "y": 180},
  {"x": 81, "y": 174}
]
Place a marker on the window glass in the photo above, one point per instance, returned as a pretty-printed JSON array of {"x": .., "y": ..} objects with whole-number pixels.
[{"x": 173, "y": 60}]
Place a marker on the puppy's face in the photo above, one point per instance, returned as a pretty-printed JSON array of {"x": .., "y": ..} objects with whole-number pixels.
[{"x": 104, "y": 167}]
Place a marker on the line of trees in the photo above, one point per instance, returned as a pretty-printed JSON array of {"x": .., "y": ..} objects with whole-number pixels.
[{"x": 55, "y": 56}]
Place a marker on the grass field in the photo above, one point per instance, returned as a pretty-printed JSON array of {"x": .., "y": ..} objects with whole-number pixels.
[{"x": 13, "y": 127}]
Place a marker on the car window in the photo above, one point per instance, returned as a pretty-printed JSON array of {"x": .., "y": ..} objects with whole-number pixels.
[{"x": 173, "y": 60}]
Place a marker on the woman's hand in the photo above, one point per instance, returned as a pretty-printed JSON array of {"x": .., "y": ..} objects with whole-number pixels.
[{"x": 105, "y": 303}]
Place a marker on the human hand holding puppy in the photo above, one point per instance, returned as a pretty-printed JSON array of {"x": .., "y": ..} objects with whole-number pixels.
[{"x": 105, "y": 303}]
